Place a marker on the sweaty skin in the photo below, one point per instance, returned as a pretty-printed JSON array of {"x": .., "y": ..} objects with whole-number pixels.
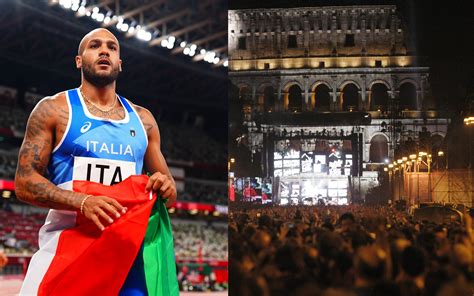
[{"x": 47, "y": 124}]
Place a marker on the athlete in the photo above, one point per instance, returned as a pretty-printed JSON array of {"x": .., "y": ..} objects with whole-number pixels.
[{"x": 88, "y": 133}]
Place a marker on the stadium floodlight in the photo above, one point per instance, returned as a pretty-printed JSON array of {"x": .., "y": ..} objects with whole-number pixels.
[
  {"x": 144, "y": 35},
  {"x": 81, "y": 11},
  {"x": 100, "y": 17},
  {"x": 203, "y": 51},
  {"x": 386, "y": 160},
  {"x": 170, "y": 45},
  {"x": 226, "y": 63},
  {"x": 95, "y": 9},
  {"x": 124, "y": 27},
  {"x": 164, "y": 43},
  {"x": 193, "y": 47},
  {"x": 192, "y": 53},
  {"x": 183, "y": 44},
  {"x": 131, "y": 29},
  {"x": 171, "y": 39},
  {"x": 216, "y": 60},
  {"x": 88, "y": 13},
  {"x": 186, "y": 51},
  {"x": 107, "y": 20}
]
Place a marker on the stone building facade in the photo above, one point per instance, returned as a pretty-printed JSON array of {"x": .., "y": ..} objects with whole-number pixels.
[{"x": 336, "y": 60}]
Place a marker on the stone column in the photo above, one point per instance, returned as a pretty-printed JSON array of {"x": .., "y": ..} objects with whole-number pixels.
[{"x": 307, "y": 103}]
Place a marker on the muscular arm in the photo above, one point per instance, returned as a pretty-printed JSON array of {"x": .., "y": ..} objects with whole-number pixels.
[
  {"x": 154, "y": 161},
  {"x": 30, "y": 184}
]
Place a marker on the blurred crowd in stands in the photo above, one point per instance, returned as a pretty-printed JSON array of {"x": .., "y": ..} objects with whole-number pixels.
[
  {"x": 200, "y": 240},
  {"x": 347, "y": 250},
  {"x": 204, "y": 193},
  {"x": 193, "y": 239}
]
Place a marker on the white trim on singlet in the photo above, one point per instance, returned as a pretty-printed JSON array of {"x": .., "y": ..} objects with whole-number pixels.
[
  {"x": 126, "y": 119},
  {"x": 139, "y": 119},
  {"x": 69, "y": 121}
]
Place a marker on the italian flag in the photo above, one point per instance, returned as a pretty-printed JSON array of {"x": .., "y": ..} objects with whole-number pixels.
[{"x": 83, "y": 260}]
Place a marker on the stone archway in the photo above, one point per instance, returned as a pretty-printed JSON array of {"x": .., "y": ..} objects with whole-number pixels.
[
  {"x": 322, "y": 98},
  {"x": 379, "y": 97},
  {"x": 295, "y": 99},
  {"x": 350, "y": 97}
]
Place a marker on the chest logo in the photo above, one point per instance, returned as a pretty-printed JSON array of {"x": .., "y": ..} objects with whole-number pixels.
[{"x": 87, "y": 125}]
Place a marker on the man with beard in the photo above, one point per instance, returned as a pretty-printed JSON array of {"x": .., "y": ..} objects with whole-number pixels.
[{"x": 92, "y": 134}]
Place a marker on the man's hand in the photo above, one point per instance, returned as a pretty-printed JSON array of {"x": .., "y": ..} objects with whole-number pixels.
[
  {"x": 162, "y": 184},
  {"x": 102, "y": 208}
]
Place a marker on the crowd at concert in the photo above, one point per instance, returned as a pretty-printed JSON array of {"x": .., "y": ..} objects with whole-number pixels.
[{"x": 347, "y": 250}]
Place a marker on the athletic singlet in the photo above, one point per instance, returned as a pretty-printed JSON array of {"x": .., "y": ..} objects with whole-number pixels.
[
  {"x": 91, "y": 149},
  {"x": 96, "y": 149}
]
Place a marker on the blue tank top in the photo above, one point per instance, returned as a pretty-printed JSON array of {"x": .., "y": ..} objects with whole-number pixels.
[
  {"x": 97, "y": 149},
  {"x": 104, "y": 151}
]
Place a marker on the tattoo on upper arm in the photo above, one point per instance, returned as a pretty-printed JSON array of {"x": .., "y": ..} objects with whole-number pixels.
[
  {"x": 146, "y": 123},
  {"x": 35, "y": 151}
]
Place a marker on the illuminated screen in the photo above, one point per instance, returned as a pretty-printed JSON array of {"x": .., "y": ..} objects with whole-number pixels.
[
  {"x": 330, "y": 191},
  {"x": 253, "y": 189}
]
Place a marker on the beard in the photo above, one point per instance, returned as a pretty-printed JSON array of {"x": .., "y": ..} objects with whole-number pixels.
[{"x": 99, "y": 80}]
